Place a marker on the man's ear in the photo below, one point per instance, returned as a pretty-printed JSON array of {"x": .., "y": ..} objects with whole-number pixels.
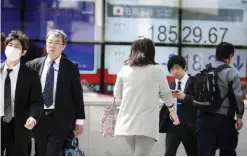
[{"x": 24, "y": 52}]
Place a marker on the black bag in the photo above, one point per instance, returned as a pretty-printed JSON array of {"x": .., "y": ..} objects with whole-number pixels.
[
  {"x": 206, "y": 90},
  {"x": 165, "y": 122},
  {"x": 71, "y": 147}
]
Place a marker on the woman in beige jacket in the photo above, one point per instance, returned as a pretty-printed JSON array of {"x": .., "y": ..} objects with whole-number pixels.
[{"x": 140, "y": 84}]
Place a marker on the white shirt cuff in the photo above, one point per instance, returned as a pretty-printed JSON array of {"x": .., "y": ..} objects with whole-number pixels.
[
  {"x": 33, "y": 120},
  {"x": 79, "y": 122}
]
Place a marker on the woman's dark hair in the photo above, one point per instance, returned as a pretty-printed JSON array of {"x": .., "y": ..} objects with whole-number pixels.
[{"x": 142, "y": 52}]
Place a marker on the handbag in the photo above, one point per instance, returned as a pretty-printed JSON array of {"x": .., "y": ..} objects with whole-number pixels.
[
  {"x": 72, "y": 148},
  {"x": 108, "y": 120}
]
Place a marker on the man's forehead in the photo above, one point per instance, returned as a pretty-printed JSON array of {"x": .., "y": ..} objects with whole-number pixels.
[
  {"x": 16, "y": 42},
  {"x": 54, "y": 38},
  {"x": 176, "y": 66}
]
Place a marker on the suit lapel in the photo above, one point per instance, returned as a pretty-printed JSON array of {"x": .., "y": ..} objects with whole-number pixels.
[
  {"x": 20, "y": 82},
  {"x": 187, "y": 84},
  {"x": 41, "y": 63},
  {"x": 61, "y": 75}
]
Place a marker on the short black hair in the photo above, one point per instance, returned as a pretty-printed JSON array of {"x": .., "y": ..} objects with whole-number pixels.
[
  {"x": 176, "y": 60},
  {"x": 142, "y": 52},
  {"x": 224, "y": 51},
  {"x": 18, "y": 35}
]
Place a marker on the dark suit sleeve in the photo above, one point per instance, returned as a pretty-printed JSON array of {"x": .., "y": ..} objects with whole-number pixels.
[
  {"x": 36, "y": 97},
  {"x": 188, "y": 99},
  {"x": 77, "y": 93}
]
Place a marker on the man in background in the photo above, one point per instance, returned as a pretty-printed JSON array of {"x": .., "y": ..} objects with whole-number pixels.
[
  {"x": 218, "y": 129},
  {"x": 182, "y": 89}
]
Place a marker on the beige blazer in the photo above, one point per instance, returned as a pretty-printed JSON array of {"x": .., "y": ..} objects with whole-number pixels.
[{"x": 140, "y": 89}]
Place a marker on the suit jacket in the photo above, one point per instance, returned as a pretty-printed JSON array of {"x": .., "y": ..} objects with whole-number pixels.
[
  {"x": 28, "y": 101},
  {"x": 69, "y": 104},
  {"x": 189, "y": 112}
]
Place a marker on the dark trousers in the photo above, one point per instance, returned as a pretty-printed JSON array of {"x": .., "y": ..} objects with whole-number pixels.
[
  {"x": 8, "y": 143},
  {"x": 179, "y": 134},
  {"x": 48, "y": 143},
  {"x": 216, "y": 131}
]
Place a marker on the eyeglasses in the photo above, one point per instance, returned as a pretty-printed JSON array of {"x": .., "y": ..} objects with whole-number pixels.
[{"x": 49, "y": 43}]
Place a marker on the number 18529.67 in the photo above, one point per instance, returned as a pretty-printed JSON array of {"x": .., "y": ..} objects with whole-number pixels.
[{"x": 189, "y": 34}]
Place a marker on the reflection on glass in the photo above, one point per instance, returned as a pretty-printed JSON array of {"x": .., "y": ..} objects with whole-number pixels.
[
  {"x": 76, "y": 18},
  {"x": 10, "y": 16}
]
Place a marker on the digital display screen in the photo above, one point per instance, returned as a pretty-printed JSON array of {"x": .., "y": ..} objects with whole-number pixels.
[
  {"x": 197, "y": 58},
  {"x": 209, "y": 23},
  {"x": 10, "y": 16}
]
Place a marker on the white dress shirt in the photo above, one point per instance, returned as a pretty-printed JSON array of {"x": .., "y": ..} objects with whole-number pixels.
[
  {"x": 43, "y": 80},
  {"x": 183, "y": 84},
  {"x": 13, "y": 79}
]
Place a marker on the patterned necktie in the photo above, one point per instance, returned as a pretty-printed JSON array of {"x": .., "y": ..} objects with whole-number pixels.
[
  {"x": 179, "y": 105},
  {"x": 49, "y": 84},
  {"x": 7, "y": 98}
]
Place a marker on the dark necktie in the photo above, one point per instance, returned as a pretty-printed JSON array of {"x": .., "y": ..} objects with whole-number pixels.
[
  {"x": 179, "y": 104},
  {"x": 49, "y": 84},
  {"x": 7, "y": 98}
]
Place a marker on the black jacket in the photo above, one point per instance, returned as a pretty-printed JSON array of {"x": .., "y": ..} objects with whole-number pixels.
[
  {"x": 188, "y": 110},
  {"x": 69, "y": 104},
  {"x": 28, "y": 101}
]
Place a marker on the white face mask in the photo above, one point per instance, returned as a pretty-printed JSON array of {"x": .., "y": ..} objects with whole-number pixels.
[{"x": 12, "y": 53}]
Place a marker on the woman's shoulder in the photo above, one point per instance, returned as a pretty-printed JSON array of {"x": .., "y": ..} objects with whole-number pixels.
[{"x": 155, "y": 68}]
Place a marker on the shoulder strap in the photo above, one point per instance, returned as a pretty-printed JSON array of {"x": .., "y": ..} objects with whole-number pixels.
[
  {"x": 208, "y": 66},
  {"x": 222, "y": 67}
]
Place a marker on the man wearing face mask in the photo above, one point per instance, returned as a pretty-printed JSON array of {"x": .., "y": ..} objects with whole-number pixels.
[{"x": 21, "y": 97}]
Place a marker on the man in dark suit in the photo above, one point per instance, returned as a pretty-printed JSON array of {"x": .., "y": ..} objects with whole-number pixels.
[
  {"x": 182, "y": 89},
  {"x": 63, "y": 97},
  {"x": 21, "y": 103}
]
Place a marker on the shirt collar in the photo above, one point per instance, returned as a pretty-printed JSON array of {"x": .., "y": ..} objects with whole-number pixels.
[
  {"x": 15, "y": 68},
  {"x": 48, "y": 60},
  {"x": 183, "y": 80}
]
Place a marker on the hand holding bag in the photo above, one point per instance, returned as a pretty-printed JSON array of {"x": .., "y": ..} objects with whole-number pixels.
[{"x": 72, "y": 148}]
